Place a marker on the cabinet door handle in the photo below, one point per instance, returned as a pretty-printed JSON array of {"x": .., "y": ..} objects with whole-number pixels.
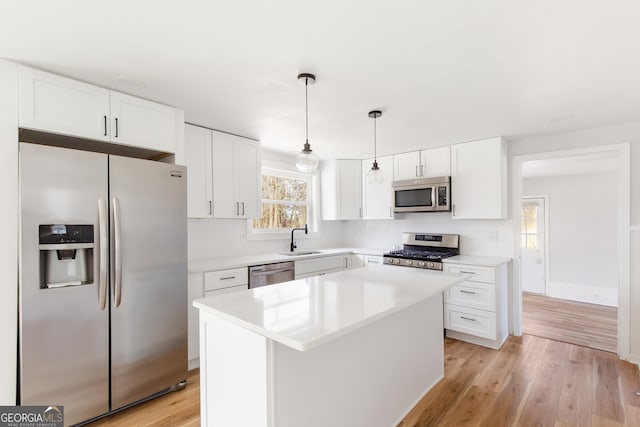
[
  {"x": 467, "y": 292},
  {"x": 417, "y": 171},
  {"x": 210, "y": 208},
  {"x": 467, "y": 272},
  {"x": 421, "y": 170},
  {"x": 116, "y": 127},
  {"x": 237, "y": 208},
  {"x": 390, "y": 212},
  {"x": 359, "y": 212},
  {"x": 105, "y": 125},
  {"x": 243, "y": 208},
  {"x": 468, "y": 318},
  {"x": 228, "y": 278},
  {"x": 453, "y": 210}
]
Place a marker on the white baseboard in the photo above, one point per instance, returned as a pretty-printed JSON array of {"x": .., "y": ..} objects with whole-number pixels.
[
  {"x": 634, "y": 358},
  {"x": 590, "y": 294},
  {"x": 193, "y": 364}
]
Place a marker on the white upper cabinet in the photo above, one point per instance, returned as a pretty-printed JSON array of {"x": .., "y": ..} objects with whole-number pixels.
[
  {"x": 200, "y": 172},
  {"x": 422, "y": 164},
  {"x": 141, "y": 123},
  {"x": 341, "y": 189},
  {"x": 406, "y": 166},
  {"x": 436, "y": 162},
  {"x": 377, "y": 200},
  {"x": 60, "y": 105},
  {"x": 55, "y": 104},
  {"x": 236, "y": 177},
  {"x": 479, "y": 179}
]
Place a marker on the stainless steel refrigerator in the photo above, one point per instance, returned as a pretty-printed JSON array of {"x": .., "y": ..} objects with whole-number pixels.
[{"x": 103, "y": 280}]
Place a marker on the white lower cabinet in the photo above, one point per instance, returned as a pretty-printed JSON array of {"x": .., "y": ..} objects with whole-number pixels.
[
  {"x": 319, "y": 266},
  {"x": 202, "y": 285},
  {"x": 475, "y": 310}
]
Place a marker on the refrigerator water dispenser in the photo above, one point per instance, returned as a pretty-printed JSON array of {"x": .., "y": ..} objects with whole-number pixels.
[{"x": 66, "y": 255}]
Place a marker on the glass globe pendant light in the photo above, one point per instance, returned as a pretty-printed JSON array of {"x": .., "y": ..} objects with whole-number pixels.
[
  {"x": 375, "y": 176},
  {"x": 306, "y": 161}
]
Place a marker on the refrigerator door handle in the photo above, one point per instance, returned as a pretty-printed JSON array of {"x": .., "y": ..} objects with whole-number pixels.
[
  {"x": 104, "y": 252},
  {"x": 117, "y": 252}
]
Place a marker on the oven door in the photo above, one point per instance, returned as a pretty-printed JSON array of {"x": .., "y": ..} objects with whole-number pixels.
[{"x": 414, "y": 198}]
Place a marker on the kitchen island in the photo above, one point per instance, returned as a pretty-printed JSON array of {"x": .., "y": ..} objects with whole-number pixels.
[{"x": 355, "y": 348}]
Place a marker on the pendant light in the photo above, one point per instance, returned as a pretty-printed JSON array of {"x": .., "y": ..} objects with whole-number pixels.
[
  {"x": 306, "y": 161},
  {"x": 375, "y": 176}
]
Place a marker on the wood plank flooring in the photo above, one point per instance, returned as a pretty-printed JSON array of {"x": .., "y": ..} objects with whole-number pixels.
[
  {"x": 588, "y": 325},
  {"x": 530, "y": 381}
]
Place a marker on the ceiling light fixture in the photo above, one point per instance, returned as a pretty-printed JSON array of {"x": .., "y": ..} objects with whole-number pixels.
[
  {"x": 306, "y": 161},
  {"x": 375, "y": 176}
]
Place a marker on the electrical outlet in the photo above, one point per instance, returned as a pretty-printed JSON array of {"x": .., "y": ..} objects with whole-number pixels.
[{"x": 493, "y": 235}]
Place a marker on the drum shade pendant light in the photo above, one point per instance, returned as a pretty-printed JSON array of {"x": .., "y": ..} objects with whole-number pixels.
[
  {"x": 375, "y": 176},
  {"x": 306, "y": 161}
]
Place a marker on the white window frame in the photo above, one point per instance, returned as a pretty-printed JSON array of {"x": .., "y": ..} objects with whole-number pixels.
[{"x": 312, "y": 204}]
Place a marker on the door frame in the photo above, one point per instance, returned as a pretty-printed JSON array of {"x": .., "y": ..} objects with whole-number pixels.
[
  {"x": 624, "y": 217},
  {"x": 546, "y": 238}
]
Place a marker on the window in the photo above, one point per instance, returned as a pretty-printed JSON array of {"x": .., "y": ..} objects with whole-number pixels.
[
  {"x": 529, "y": 227},
  {"x": 286, "y": 202}
]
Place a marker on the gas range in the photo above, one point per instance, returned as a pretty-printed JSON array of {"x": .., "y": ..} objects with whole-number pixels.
[{"x": 422, "y": 250}]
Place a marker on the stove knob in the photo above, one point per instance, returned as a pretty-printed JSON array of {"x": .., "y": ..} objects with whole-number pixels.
[
  {"x": 397, "y": 261},
  {"x": 430, "y": 265},
  {"x": 421, "y": 263},
  {"x": 409, "y": 262}
]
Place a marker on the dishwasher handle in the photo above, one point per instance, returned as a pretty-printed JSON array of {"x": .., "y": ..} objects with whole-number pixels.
[{"x": 267, "y": 272}]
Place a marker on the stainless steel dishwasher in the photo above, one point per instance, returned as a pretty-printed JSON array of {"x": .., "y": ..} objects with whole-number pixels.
[{"x": 270, "y": 274}]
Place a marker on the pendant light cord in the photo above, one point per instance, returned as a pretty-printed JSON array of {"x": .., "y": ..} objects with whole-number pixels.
[
  {"x": 375, "y": 141},
  {"x": 306, "y": 108}
]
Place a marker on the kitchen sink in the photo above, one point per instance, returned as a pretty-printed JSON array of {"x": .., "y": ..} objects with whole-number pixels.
[{"x": 300, "y": 253}]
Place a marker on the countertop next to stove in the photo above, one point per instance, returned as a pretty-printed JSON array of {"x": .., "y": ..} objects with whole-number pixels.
[
  {"x": 222, "y": 263},
  {"x": 483, "y": 261}
]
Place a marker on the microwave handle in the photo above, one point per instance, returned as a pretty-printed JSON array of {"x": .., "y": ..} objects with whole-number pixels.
[{"x": 434, "y": 191}]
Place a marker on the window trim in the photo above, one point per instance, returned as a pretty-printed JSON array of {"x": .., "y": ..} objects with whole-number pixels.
[{"x": 313, "y": 205}]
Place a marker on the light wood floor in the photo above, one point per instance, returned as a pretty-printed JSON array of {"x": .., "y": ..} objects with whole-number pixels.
[
  {"x": 529, "y": 381},
  {"x": 589, "y": 325}
]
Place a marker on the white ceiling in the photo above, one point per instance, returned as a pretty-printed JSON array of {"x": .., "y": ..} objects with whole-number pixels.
[
  {"x": 606, "y": 161},
  {"x": 441, "y": 71}
]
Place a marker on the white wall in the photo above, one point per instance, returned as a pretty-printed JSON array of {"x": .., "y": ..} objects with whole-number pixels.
[
  {"x": 617, "y": 134},
  {"x": 225, "y": 237},
  {"x": 583, "y": 221},
  {"x": 9, "y": 218},
  {"x": 477, "y": 237}
]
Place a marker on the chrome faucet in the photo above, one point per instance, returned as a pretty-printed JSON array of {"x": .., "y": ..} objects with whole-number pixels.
[{"x": 293, "y": 244}]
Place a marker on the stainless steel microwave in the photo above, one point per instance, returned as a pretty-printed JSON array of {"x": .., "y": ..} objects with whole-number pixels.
[{"x": 422, "y": 195}]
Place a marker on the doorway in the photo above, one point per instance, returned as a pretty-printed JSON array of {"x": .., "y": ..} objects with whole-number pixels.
[{"x": 568, "y": 270}]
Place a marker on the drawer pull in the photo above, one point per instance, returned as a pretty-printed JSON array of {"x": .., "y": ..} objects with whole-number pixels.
[
  {"x": 467, "y": 292},
  {"x": 467, "y": 272},
  {"x": 228, "y": 278},
  {"x": 468, "y": 318}
]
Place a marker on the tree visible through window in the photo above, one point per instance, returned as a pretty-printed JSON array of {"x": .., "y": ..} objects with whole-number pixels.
[{"x": 285, "y": 201}]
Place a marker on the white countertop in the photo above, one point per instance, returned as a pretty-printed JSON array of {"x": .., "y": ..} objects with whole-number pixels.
[
  {"x": 221, "y": 263},
  {"x": 483, "y": 261},
  {"x": 306, "y": 313}
]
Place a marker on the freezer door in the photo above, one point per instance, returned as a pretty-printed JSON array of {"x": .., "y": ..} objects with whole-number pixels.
[
  {"x": 64, "y": 322},
  {"x": 149, "y": 278}
]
